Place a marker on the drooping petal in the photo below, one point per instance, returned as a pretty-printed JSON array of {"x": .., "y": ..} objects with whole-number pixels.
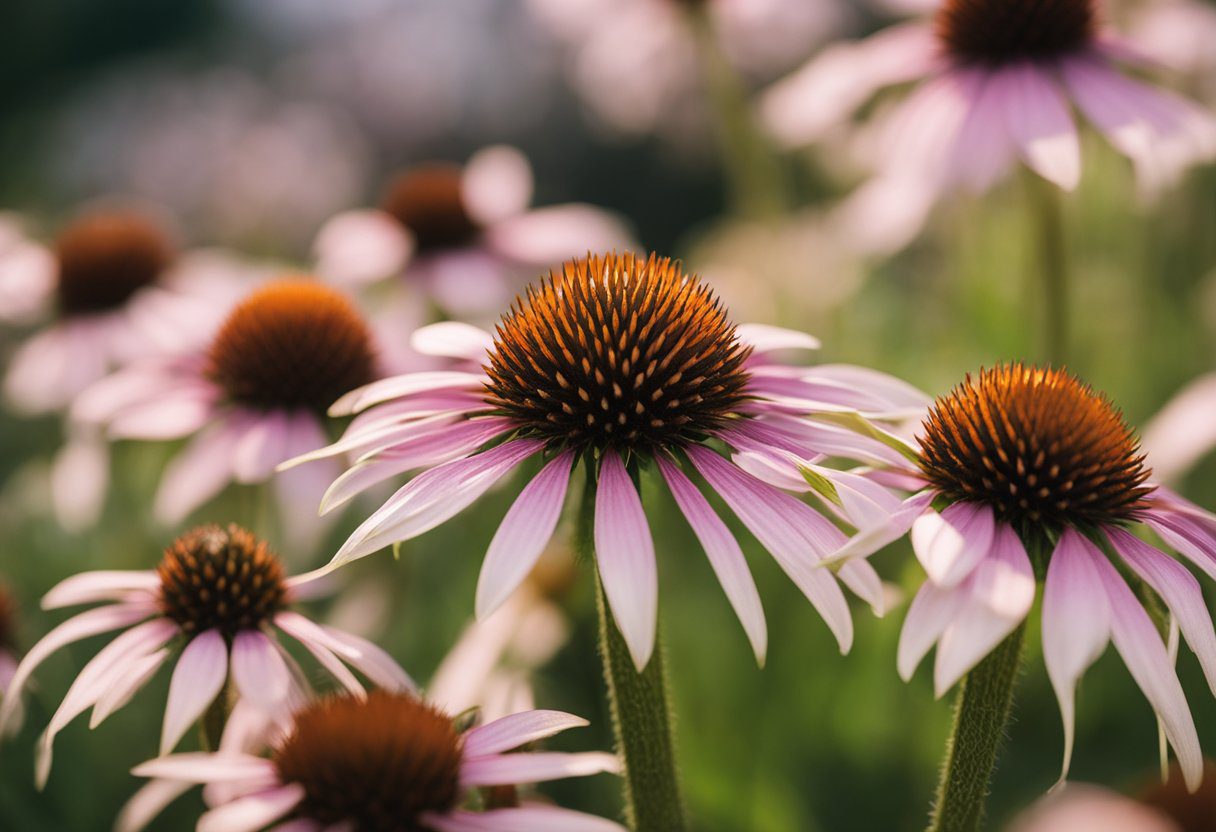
[
  {"x": 373, "y": 662},
  {"x": 534, "y": 767},
  {"x": 249, "y": 814},
  {"x": 624, "y": 553},
  {"x": 950, "y": 544},
  {"x": 148, "y": 802},
  {"x": 199, "y": 472},
  {"x": 523, "y": 534},
  {"x": 258, "y": 669},
  {"x": 929, "y": 615},
  {"x": 90, "y": 587},
  {"x": 124, "y": 686},
  {"x": 1038, "y": 119},
  {"x": 197, "y": 680},
  {"x": 724, "y": 555},
  {"x": 1076, "y": 624},
  {"x": 511, "y": 732}
]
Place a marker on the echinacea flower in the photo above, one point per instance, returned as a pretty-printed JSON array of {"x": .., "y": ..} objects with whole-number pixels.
[
  {"x": 253, "y": 397},
  {"x": 996, "y": 80},
  {"x": 461, "y": 235},
  {"x": 223, "y": 595},
  {"x": 1037, "y": 474},
  {"x": 388, "y": 761},
  {"x": 621, "y": 361}
]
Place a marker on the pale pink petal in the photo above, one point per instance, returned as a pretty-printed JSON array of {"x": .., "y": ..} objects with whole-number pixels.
[
  {"x": 496, "y": 183},
  {"x": 405, "y": 385},
  {"x": 1144, "y": 653},
  {"x": 930, "y": 614},
  {"x": 50, "y": 368},
  {"x": 724, "y": 555},
  {"x": 984, "y": 148},
  {"x": 950, "y": 544},
  {"x": 263, "y": 447},
  {"x": 89, "y": 587},
  {"x": 90, "y": 623},
  {"x": 453, "y": 339},
  {"x": 521, "y": 819},
  {"x": 123, "y": 686},
  {"x": 205, "y": 767},
  {"x": 372, "y": 661},
  {"x": 249, "y": 814},
  {"x": 511, "y": 732},
  {"x": 361, "y": 247},
  {"x": 548, "y": 236},
  {"x": 759, "y": 506},
  {"x": 868, "y": 541},
  {"x": 1179, "y": 590},
  {"x": 523, "y": 534},
  {"x": 197, "y": 680},
  {"x": 1194, "y": 538},
  {"x": 895, "y": 391},
  {"x": 534, "y": 767},
  {"x": 80, "y": 479},
  {"x": 998, "y": 595},
  {"x": 1183, "y": 431},
  {"x": 1076, "y": 624},
  {"x": 763, "y": 338},
  {"x": 470, "y": 282},
  {"x": 302, "y": 629},
  {"x": 863, "y": 581},
  {"x": 147, "y": 803},
  {"x": 624, "y": 553},
  {"x": 199, "y": 472},
  {"x": 172, "y": 414},
  {"x": 258, "y": 669},
  {"x": 1037, "y": 117}
]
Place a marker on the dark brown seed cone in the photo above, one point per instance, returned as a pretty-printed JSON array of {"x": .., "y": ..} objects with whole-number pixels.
[
  {"x": 1037, "y": 445},
  {"x": 222, "y": 578},
  {"x": 292, "y": 344},
  {"x": 379, "y": 763},
  {"x": 998, "y": 31},
  {"x": 621, "y": 352},
  {"x": 105, "y": 258},
  {"x": 428, "y": 201}
]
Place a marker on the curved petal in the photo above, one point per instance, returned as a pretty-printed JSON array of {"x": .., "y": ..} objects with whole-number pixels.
[
  {"x": 764, "y": 338},
  {"x": 197, "y": 680},
  {"x": 372, "y": 661},
  {"x": 496, "y": 183},
  {"x": 251, "y": 813},
  {"x": 518, "y": 729},
  {"x": 258, "y": 669},
  {"x": 534, "y": 767},
  {"x": 453, "y": 339},
  {"x": 205, "y": 767},
  {"x": 89, "y": 587},
  {"x": 624, "y": 554},
  {"x": 950, "y": 544},
  {"x": 147, "y": 803},
  {"x": 929, "y": 615},
  {"x": 523, "y": 534},
  {"x": 1038, "y": 119}
]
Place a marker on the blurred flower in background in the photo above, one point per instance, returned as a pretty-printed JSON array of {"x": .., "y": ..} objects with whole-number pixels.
[
  {"x": 8, "y": 648},
  {"x": 1184, "y": 431},
  {"x": 1079, "y": 807},
  {"x": 1178, "y": 34},
  {"x": 223, "y": 592}
]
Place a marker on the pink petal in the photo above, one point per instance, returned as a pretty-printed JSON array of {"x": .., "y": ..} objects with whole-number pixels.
[
  {"x": 175, "y": 413},
  {"x": 545, "y": 236},
  {"x": 950, "y": 544},
  {"x": 759, "y": 506},
  {"x": 1189, "y": 534},
  {"x": 496, "y": 183},
  {"x": 511, "y": 732},
  {"x": 205, "y": 767},
  {"x": 123, "y": 688},
  {"x": 998, "y": 595},
  {"x": 262, "y": 448},
  {"x": 80, "y": 480},
  {"x": 90, "y": 623},
  {"x": 1038, "y": 119},
  {"x": 1138, "y": 642},
  {"x": 1076, "y": 623},
  {"x": 764, "y": 338},
  {"x": 252, "y": 813},
  {"x": 523, "y": 534},
  {"x": 453, "y": 339},
  {"x": 147, "y": 803},
  {"x": 1183, "y": 431},
  {"x": 199, "y": 472},
  {"x": 521, "y": 819},
  {"x": 1180, "y": 591},
  {"x": 373, "y": 662},
  {"x": 868, "y": 541},
  {"x": 304, "y": 630},
  {"x": 624, "y": 553},
  {"x": 197, "y": 680},
  {"x": 984, "y": 147},
  {"x": 258, "y": 669},
  {"x": 724, "y": 555},
  {"x": 361, "y": 247},
  {"x": 89, "y": 587},
  {"x": 930, "y": 614},
  {"x": 534, "y": 767},
  {"x": 409, "y": 384}
]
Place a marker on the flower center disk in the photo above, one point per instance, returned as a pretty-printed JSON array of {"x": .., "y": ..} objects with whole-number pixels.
[
  {"x": 292, "y": 344},
  {"x": 220, "y": 578},
  {"x": 428, "y": 200},
  {"x": 105, "y": 258},
  {"x": 379, "y": 763},
  {"x": 1038, "y": 446},
  {"x": 621, "y": 352},
  {"x": 998, "y": 31}
]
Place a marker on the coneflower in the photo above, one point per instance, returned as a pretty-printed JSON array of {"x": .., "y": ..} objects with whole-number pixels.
[
  {"x": 1031, "y": 474},
  {"x": 385, "y": 763},
  {"x": 221, "y": 595}
]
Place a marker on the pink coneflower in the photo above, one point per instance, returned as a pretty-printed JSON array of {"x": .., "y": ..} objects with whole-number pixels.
[
  {"x": 996, "y": 81},
  {"x": 1021, "y": 459},
  {"x": 253, "y": 397},
  {"x": 223, "y": 594},
  {"x": 623, "y": 362},
  {"x": 385, "y": 762},
  {"x": 462, "y": 235}
]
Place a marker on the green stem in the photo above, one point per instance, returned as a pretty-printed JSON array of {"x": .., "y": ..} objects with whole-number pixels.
[
  {"x": 1047, "y": 211},
  {"x": 641, "y": 712},
  {"x": 748, "y": 156},
  {"x": 981, "y": 714}
]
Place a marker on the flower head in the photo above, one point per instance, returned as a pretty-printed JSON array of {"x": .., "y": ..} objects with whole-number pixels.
[
  {"x": 624, "y": 362},
  {"x": 388, "y": 762},
  {"x": 105, "y": 258},
  {"x": 429, "y": 201},
  {"x": 999, "y": 31},
  {"x": 1028, "y": 473},
  {"x": 221, "y": 594},
  {"x": 251, "y": 396}
]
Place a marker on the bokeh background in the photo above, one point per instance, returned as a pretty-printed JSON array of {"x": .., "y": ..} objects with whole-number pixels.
[{"x": 255, "y": 120}]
